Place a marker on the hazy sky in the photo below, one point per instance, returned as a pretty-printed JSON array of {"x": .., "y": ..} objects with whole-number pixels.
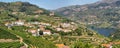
[{"x": 54, "y": 4}]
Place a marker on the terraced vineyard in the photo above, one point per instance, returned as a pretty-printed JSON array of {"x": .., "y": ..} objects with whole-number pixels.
[
  {"x": 4, "y": 34},
  {"x": 10, "y": 45}
]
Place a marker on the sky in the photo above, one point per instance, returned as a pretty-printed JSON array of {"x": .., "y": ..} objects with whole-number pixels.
[{"x": 54, "y": 4}]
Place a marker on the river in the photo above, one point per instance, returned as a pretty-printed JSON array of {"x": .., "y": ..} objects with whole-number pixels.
[{"x": 104, "y": 31}]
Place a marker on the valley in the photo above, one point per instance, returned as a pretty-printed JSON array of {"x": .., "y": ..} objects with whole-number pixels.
[{"x": 25, "y": 25}]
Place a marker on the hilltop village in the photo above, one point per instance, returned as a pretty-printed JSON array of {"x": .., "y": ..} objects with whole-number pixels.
[{"x": 36, "y": 27}]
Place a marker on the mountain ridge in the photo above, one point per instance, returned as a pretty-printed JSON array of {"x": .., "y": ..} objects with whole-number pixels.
[{"x": 98, "y": 13}]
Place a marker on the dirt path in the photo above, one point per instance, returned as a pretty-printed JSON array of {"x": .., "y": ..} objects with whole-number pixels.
[
  {"x": 8, "y": 40},
  {"x": 21, "y": 41}
]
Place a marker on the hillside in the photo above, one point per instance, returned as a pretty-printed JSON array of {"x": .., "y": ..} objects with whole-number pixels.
[
  {"x": 6, "y": 35},
  {"x": 39, "y": 28},
  {"x": 103, "y": 14},
  {"x": 21, "y": 7},
  {"x": 8, "y": 39},
  {"x": 116, "y": 35}
]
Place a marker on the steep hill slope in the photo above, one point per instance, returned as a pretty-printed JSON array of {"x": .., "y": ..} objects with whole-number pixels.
[
  {"x": 99, "y": 13},
  {"x": 21, "y": 7},
  {"x": 19, "y": 17}
]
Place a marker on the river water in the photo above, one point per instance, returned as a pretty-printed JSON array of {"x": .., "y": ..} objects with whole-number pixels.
[{"x": 104, "y": 31}]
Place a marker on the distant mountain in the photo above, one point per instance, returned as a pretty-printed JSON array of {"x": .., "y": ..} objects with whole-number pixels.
[
  {"x": 20, "y": 10},
  {"x": 109, "y": 1},
  {"x": 104, "y": 4},
  {"x": 21, "y": 7},
  {"x": 102, "y": 11}
]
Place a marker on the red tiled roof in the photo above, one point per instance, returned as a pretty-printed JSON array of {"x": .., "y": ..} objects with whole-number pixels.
[
  {"x": 61, "y": 46},
  {"x": 106, "y": 45}
]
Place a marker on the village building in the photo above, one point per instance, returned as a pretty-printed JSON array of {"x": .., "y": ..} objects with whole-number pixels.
[
  {"x": 8, "y": 25},
  {"x": 52, "y": 14},
  {"x": 72, "y": 23},
  {"x": 36, "y": 23},
  {"x": 107, "y": 45},
  {"x": 54, "y": 26},
  {"x": 61, "y": 46},
  {"x": 26, "y": 24},
  {"x": 41, "y": 27},
  {"x": 59, "y": 29},
  {"x": 18, "y": 23},
  {"x": 31, "y": 26},
  {"x": 34, "y": 32},
  {"x": 65, "y": 25},
  {"x": 47, "y": 32},
  {"x": 45, "y": 24}
]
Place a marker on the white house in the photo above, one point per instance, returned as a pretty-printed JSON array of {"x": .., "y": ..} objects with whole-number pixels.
[
  {"x": 64, "y": 25},
  {"x": 34, "y": 32},
  {"x": 59, "y": 29},
  {"x": 19, "y": 22},
  {"x": 52, "y": 14},
  {"x": 48, "y": 32},
  {"x": 66, "y": 30},
  {"x": 45, "y": 24}
]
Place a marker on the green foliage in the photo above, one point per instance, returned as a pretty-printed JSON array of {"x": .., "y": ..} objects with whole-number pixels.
[
  {"x": 5, "y": 34},
  {"x": 116, "y": 46},
  {"x": 115, "y": 35},
  {"x": 80, "y": 44},
  {"x": 105, "y": 13},
  {"x": 33, "y": 41},
  {"x": 20, "y": 28},
  {"x": 10, "y": 45},
  {"x": 39, "y": 42}
]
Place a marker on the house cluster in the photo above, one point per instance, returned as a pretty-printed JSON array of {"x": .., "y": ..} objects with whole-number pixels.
[
  {"x": 39, "y": 28},
  {"x": 35, "y": 32},
  {"x": 107, "y": 45},
  {"x": 15, "y": 23},
  {"x": 66, "y": 27}
]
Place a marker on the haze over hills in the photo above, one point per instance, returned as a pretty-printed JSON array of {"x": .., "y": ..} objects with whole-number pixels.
[
  {"x": 109, "y": 1},
  {"x": 103, "y": 13},
  {"x": 98, "y": 5}
]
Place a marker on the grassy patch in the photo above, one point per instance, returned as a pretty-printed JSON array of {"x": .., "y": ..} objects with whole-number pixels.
[
  {"x": 5, "y": 34},
  {"x": 10, "y": 45}
]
